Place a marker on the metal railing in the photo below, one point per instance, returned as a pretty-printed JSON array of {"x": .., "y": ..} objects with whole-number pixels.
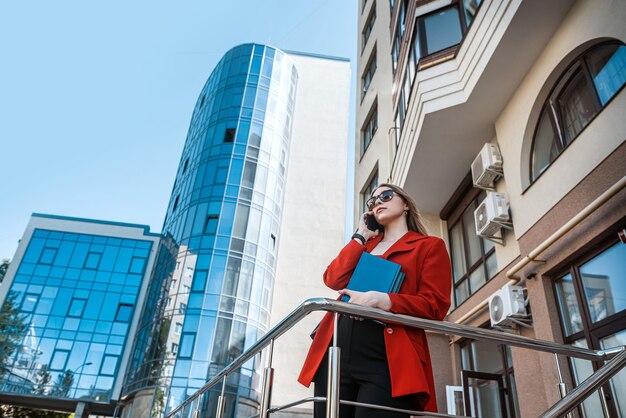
[{"x": 615, "y": 359}]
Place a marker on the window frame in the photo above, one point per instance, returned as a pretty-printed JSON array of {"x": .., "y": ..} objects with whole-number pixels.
[
  {"x": 372, "y": 116},
  {"x": 579, "y": 63},
  {"x": 368, "y": 189},
  {"x": 119, "y": 308},
  {"x": 506, "y": 373},
  {"x": 465, "y": 197},
  {"x": 368, "y": 28},
  {"x": 592, "y": 332},
  {"x": 368, "y": 73}
]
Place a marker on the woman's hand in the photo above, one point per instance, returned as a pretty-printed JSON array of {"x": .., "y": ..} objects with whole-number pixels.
[
  {"x": 364, "y": 230},
  {"x": 372, "y": 298}
]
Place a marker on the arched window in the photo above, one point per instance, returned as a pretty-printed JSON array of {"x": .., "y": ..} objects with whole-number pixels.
[{"x": 582, "y": 91}]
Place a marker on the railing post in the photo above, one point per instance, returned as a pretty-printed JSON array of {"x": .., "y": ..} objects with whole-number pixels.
[
  {"x": 196, "y": 413},
  {"x": 562, "y": 387},
  {"x": 268, "y": 378},
  {"x": 585, "y": 388},
  {"x": 334, "y": 363},
  {"x": 221, "y": 401}
]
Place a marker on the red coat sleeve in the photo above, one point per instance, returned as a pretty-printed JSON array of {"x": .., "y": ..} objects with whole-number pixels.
[
  {"x": 432, "y": 299},
  {"x": 339, "y": 271}
]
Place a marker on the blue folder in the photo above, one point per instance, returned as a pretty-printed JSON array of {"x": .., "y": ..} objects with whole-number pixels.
[{"x": 375, "y": 273}]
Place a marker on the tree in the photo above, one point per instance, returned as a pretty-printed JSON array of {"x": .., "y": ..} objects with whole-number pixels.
[
  {"x": 43, "y": 380},
  {"x": 21, "y": 412},
  {"x": 63, "y": 384},
  {"x": 12, "y": 325},
  {"x": 4, "y": 266}
]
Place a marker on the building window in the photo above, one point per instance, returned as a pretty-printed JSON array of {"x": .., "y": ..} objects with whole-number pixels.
[
  {"x": 210, "y": 226},
  {"x": 229, "y": 135},
  {"x": 178, "y": 328},
  {"x": 29, "y": 303},
  {"x": 367, "y": 30},
  {"x": 181, "y": 308},
  {"x": 438, "y": 30},
  {"x": 59, "y": 360},
  {"x": 582, "y": 91},
  {"x": 77, "y": 307},
  {"x": 442, "y": 29},
  {"x": 369, "y": 128},
  {"x": 398, "y": 34},
  {"x": 199, "y": 281},
  {"x": 366, "y": 80},
  {"x": 109, "y": 364},
  {"x": 174, "y": 348},
  {"x": 368, "y": 190},
  {"x": 124, "y": 312},
  {"x": 187, "y": 341},
  {"x": 175, "y": 204},
  {"x": 473, "y": 258},
  {"x": 591, "y": 298},
  {"x": 136, "y": 265},
  {"x": 92, "y": 261},
  {"x": 488, "y": 374},
  {"x": 47, "y": 255}
]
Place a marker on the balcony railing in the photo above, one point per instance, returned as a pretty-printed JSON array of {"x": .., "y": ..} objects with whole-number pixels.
[{"x": 614, "y": 358}]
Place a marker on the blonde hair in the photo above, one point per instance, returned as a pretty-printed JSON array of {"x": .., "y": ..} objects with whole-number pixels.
[{"x": 413, "y": 219}]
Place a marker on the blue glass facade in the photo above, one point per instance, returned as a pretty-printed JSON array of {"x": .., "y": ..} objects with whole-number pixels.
[
  {"x": 210, "y": 293},
  {"x": 66, "y": 318}
]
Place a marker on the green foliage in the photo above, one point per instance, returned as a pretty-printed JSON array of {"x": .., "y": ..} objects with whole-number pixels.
[
  {"x": 12, "y": 326},
  {"x": 4, "y": 266},
  {"x": 21, "y": 412},
  {"x": 63, "y": 384}
]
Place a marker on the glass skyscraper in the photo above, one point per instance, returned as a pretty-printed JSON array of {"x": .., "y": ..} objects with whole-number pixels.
[
  {"x": 210, "y": 293},
  {"x": 111, "y": 319},
  {"x": 68, "y": 311}
]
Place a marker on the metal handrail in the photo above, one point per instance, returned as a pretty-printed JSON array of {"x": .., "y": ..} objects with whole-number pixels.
[{"x": 616, "y": 355}]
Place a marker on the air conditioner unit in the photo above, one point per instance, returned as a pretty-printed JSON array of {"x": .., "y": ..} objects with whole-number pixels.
[
  {"x": 492, "y": 214},
  {"x": 487, "y": 167},
  {"x": 506, "y": 304}
]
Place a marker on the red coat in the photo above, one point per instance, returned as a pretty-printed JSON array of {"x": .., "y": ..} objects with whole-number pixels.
[{"x": 425, "y": 293}]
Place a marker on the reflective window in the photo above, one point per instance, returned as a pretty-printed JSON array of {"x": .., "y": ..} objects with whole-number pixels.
[
  {"x": 47, "y": 256},
  {"x": 59, "y": 359},
  {"x": 77, "y": 307},
  {"x": 473, "y": 257},
  {"x": 470, "y": 8},
  {"x": 591, "y": 301},
  {"x": 368, "y": 74},
  {"x": 492, "y": 362},
  {"x": 442, "y": 29},
  {"x": 369, "y": 128},
  {"x": 582, "y": 91},
  {"x": 124, "y": 312},
  {"x": 368, "y": 190},
  {"x": 93, "y": 260},
  {"x": 369, "y": 25},
  {"x": 210, "y": 226},
  {"x": 186, "y": 345},
  {"x": 29, "y": 303}
]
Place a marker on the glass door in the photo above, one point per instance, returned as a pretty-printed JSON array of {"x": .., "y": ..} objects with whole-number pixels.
[{"x": 484, "y": 395}]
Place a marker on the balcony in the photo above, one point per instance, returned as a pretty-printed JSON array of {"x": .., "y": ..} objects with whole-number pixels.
[{"x": 454, "y": 103}]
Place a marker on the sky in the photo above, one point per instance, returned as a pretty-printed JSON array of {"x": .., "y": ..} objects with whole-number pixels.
[{"x": 96, "y": 96}]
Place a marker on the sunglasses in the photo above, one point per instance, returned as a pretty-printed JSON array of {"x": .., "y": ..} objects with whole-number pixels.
[{"x": 385, "y": 196}]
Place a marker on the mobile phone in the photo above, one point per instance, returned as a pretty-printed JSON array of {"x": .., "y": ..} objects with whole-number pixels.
[{"x": 372, "y": 224}]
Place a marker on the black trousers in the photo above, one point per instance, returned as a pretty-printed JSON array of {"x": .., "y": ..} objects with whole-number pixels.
[{"x": 364, "y": 373}]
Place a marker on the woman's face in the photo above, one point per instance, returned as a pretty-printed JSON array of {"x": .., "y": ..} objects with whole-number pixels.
[{"x": 385, "y": 212}]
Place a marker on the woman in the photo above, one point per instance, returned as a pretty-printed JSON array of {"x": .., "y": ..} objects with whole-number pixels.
[{"x": 384, "y": 365}]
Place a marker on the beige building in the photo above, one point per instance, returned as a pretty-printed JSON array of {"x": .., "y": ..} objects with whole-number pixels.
[{"x": 542, "y": 82}]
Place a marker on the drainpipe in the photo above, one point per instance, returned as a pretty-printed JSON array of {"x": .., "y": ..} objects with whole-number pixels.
[{"x": 589, "y": 209}]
